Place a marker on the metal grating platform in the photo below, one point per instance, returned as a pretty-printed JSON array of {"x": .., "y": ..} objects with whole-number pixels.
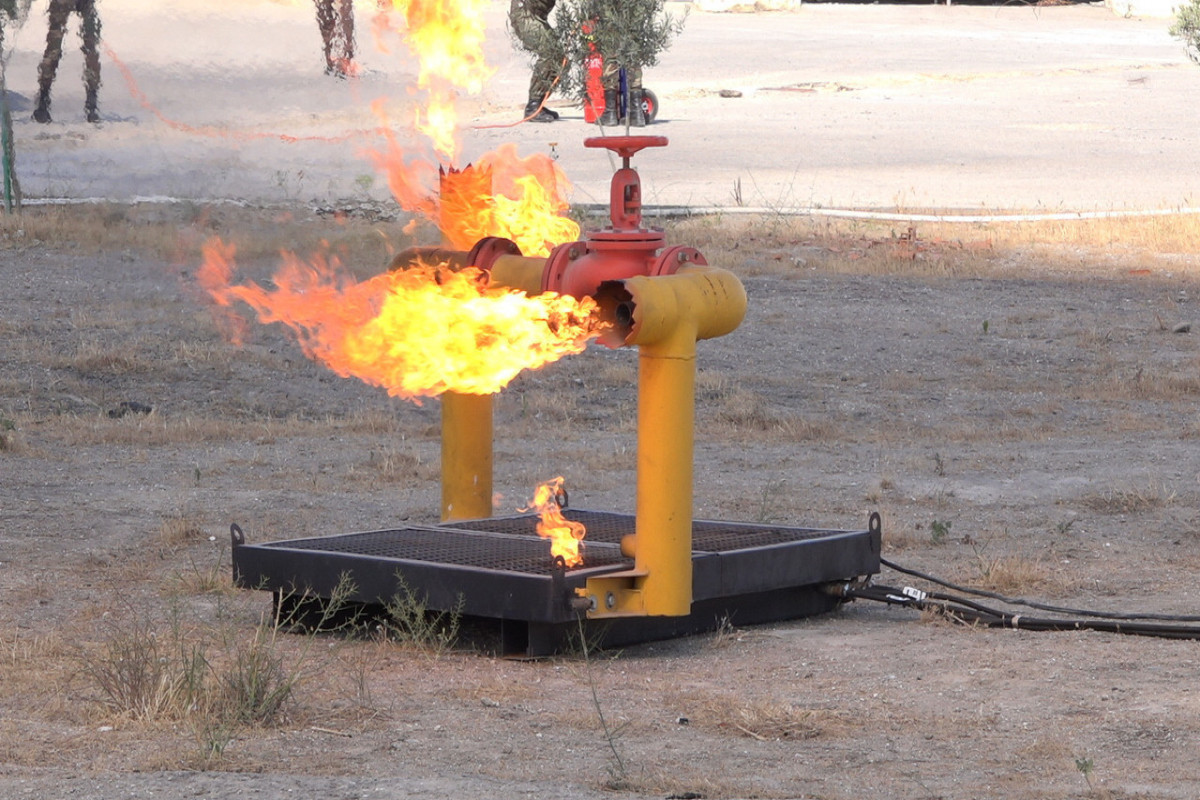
[{"x": 498, "y": 568}]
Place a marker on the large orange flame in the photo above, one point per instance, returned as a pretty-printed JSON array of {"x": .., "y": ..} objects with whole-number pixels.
[
  {"x": 527, "y": 197},
  {"x": 447, "y": 37},
  {"x": 566, "y": 536},
  {"x": 417, "y": 332},
  {"x": 424, "y": 331}
]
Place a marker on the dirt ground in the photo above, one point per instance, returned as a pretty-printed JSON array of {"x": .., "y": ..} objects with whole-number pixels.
[{"x": 1028, "y": 425}]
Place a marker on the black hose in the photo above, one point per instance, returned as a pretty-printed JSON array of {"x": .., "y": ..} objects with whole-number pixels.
[
  {"x": 969, "y": 611},
  {"x": 1017, "y": 601}
]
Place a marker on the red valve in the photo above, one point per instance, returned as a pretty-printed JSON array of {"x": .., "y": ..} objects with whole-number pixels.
[
  {"x": 623, "y": 249},
  {"x": 625, "y": 146}
]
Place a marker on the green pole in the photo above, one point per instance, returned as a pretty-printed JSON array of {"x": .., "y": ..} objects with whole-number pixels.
[
  {"x": 6, "y": 143},
  {"x": 6, "y": 140}
]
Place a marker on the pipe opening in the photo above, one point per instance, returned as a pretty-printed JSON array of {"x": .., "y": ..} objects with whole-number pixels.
[{"x": 617, "y": 310}]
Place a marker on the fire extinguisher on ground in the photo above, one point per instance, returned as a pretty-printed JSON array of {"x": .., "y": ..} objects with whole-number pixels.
[{"x": 593, "y": 103}]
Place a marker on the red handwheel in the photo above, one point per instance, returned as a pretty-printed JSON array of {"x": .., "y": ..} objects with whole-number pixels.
[{"x": 649, "y": 105}]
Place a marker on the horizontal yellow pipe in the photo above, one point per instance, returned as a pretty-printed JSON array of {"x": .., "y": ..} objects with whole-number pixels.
[{"x": 519, "y": 272}]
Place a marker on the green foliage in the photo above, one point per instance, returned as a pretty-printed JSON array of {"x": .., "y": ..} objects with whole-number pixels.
[
  {"x": 1086, "y": 766},
  {"x": 1187, "y": 27},
  {"x": 628, "y": 33},
  {"x": 16, "y": 10},
  {"x": 939, "y": 530},
  {"x": 410, "y": 620}
]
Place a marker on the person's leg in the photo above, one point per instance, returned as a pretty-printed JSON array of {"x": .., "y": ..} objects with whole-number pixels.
[
  {"x": 327, "y": 22},
  {"x": 90, "y": 33},
  {"x": 59, "y": 10},
  {"x": 530, "y": 23},
  {"x": 346, "y": 34}
]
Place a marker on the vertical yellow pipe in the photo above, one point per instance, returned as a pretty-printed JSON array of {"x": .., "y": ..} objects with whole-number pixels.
[
  {"x": 466, "y": 456},
  {"x": 664, "y": 316},
  {"x": 466, "y": 418},
  {"x": 666, "y": 413}
]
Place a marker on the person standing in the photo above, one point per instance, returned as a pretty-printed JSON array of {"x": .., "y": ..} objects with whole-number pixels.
[
  {"x": 530, "y": 21},
  {"x": 89, "y": 31}
]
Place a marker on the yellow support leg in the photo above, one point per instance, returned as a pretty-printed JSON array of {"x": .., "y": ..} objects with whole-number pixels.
[
  {"x": 466, "y": 456},
  {"x": 663, "y": 547}
]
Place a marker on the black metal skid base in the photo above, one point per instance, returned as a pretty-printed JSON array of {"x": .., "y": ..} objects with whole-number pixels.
[{"x": 499, "y": 569}]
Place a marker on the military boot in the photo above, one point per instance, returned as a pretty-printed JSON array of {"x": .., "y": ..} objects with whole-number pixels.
[
  {"x": 637, "y": 112},
  {"x": 534, "y": 114},
  {"x": 611, "y": 116},
  {"x": 41, "y": 112}
]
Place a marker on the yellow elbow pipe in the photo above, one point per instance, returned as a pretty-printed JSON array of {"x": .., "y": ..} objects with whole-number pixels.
[{"x": 664, "y": 316}]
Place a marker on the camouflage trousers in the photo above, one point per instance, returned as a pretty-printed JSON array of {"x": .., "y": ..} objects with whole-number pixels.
[
  {"x": 611, "y": 77},
  {"x": 530, "y": 21},
  {"x": 335, "y": 18},
  {"x": 89, "y": 32}
]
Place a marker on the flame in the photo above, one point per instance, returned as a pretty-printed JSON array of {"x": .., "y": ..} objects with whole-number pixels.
[
  {"x": 416, "y": 332},
  {"x": 527, "y": 197},
  {"x": 503, "y": 194},
  {"x": 421, "y": 332},
  {"x": 566, "y": 536},
  {"x": 446, "y": 37},
  {"x": 521, "y": 199}
]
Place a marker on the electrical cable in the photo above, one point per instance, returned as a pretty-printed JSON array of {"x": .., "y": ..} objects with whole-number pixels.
[
  {"x": 1017, "y": 601},
  {"x": 970, "y": 612}
]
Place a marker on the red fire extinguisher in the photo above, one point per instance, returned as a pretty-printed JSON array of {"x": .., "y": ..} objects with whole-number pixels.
[{"x": 593, "y": 104}]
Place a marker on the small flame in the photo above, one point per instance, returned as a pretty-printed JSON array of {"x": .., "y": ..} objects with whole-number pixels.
[
  {"x": 566, "y": 536},
  {"x": 416, "y": 332}
]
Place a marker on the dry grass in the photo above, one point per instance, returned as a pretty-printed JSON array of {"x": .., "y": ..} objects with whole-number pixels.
[
  {"x": 153, "y": 430},
  {"x": 1017, "y": 575},
  {"x": 792, "y": 246},
  {"x": 762, "y": 720},
  {"x": 175, "y": 232},
  {"x": 11, "y": 440},
  {"x": 181, "y": 529},
  {"x": 767, "y": 245},
  {"x": 1129, "y": 499}
]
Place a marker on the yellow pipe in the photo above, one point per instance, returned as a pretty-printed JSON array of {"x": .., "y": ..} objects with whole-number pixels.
[
  {"x": 518, "y": 272},
  {"x": 466, "y": 456},
  {"x": 467, "y": 419},
  {"x": 429, "y": 256},
  {"x": 663, "y": 539},
  {"x": 664, "y": 316}
]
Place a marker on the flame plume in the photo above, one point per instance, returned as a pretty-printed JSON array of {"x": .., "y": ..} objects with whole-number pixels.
[
  {"x": 566, "y": 536},
  {"x": 416, "y": 332},
  {"x": 424, "y": 331}
]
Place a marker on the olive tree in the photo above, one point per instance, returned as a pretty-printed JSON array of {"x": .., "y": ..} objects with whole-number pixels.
[
  {"x": 629, "y": 34},
  {"x": 1187, "y": 27}
]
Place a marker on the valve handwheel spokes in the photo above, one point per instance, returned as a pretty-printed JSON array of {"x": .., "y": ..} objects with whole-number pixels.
[{"x": 625, "y": 146}]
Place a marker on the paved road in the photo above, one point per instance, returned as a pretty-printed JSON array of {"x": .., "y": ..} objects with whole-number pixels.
[{"x": 870, "y": 106}]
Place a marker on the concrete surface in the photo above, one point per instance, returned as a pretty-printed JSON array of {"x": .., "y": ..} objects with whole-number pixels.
[{"x": 869, "y": 106}]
